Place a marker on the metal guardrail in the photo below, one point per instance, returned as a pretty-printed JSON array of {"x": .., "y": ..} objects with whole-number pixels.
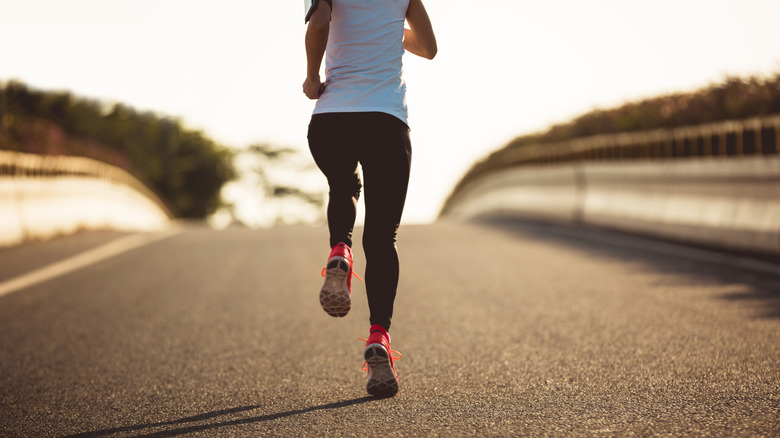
[
  {"x": 714, "y": 184},
  {"x": 753, "y": 136},
  {"x": 24, "y": 165}
]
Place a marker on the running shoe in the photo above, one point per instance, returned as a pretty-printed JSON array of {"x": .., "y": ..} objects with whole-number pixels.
[
  {"x": 382, "y": 379},
  {"x": 336, "y": 292}
]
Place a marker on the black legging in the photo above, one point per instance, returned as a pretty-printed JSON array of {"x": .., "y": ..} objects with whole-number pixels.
[{"x": 380, "y": 143}]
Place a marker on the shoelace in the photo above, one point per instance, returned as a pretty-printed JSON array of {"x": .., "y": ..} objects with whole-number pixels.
[
  {"x": 325, "y": 269},
  {"x": 396, "y": 355}
]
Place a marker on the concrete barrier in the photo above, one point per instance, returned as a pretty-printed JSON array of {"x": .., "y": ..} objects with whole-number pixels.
[
  {"x": 729, "y": 202},
  {"x": 715, "y": 184},
  {"x": 42, "y": 197}
]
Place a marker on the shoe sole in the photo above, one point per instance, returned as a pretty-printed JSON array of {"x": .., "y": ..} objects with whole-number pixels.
[
  {"x": 382, "y": 381},
  {"x": 335, "y": 297}
]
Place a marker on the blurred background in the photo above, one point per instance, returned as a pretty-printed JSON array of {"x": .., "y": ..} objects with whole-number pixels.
[{"x": 201, "y": 101}]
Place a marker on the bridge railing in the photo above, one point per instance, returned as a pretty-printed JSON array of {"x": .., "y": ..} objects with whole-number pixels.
[
  {"x": 18, "y": 164},
  {"x": 44, "y": 195},
  {"x": 755, "y": 136},
  {"x": 716, "y": 184}
]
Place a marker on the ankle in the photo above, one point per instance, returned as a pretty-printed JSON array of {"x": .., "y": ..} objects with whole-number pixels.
[{"x": 378, "y": 328}]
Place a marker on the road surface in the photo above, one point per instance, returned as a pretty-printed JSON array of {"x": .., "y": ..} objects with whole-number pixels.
[{"x": 506, "y": 329}]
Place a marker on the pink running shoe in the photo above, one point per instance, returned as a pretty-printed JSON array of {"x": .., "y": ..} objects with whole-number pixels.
[
  {"x": 382, "y": 379},
  {"x": 336, "y": 292}
]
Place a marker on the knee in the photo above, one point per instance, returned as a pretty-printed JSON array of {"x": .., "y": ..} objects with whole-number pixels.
[
  {"x": 379, "y": 240},
  {"x": 345, "y": 186}
]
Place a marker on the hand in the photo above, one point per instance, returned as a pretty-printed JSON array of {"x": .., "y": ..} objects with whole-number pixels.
[{"x": 313, "y": 88}]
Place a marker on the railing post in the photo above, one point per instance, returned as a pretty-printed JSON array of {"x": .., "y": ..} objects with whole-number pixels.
[
  {"x": 739, "y": 138},
  {"x": 758, "y": 132},
  {"x": 668, "y": 143},
  {"x": 707, "y": 142}
]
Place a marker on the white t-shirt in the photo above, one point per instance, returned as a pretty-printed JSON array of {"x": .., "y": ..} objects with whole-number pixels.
[{"x": 363, "y": 59}]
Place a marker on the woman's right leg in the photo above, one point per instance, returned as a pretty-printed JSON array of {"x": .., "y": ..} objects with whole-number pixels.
[{"x": 335, "y": 154}]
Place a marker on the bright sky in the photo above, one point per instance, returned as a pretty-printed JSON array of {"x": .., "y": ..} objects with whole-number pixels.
[{"x": 505, "y": 67}]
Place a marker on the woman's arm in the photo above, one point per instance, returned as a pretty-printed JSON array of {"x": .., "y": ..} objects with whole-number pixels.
[
  {"x": 419, "y": 38},
  {"x": 316, "y": 42}
]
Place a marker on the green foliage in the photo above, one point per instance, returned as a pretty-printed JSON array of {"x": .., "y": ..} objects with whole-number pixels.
[
  {"x": 734, "y": 98},
  {"x": 184, "y": 167}
]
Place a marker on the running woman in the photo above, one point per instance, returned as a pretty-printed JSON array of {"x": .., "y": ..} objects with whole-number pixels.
[{"x": 360, "y": 118}]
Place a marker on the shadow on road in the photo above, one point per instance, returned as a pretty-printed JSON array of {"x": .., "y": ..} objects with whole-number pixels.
[
  {"x": 139, "y": 428},
  {"x": 715, "y": 266}
]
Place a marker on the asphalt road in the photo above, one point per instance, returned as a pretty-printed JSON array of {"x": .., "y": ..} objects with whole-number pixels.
[{"x": 506, "y": 329}]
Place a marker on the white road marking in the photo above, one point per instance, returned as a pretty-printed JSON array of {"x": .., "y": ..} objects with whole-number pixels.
[{"x": 86, "y": 258}]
